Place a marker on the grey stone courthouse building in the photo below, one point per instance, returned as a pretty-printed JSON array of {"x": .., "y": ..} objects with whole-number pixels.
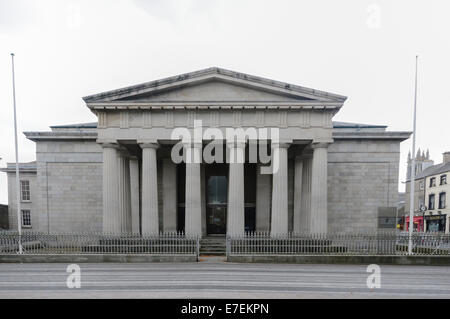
[{"x": 117, "y": 175}]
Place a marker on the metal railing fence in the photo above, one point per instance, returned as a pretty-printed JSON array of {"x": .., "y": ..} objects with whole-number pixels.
[
  {"x": 98, "y": 243},
  {"x": 386, "y": 243}
]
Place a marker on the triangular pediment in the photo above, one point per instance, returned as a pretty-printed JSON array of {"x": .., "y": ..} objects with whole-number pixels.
[
  {"x": 213, "y": 91},
  {"x": 214, "y": 85}
]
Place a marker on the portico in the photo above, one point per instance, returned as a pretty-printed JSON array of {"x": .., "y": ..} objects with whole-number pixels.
[
  {"x": 218, "y": 198},
  {"x": 145, "y": 191}
]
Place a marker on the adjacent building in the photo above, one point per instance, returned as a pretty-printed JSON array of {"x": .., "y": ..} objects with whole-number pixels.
[
  {"x": 28, "y": 194},
  {"x": 118, "y": 175},
  {"x": 437, "y": 195},
  {"x": 431, "y": 195},
  {"x": 422, "y": 162}
]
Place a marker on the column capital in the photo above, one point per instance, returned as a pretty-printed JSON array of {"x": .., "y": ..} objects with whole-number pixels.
[
  {"x": 315, "y": 145},
  {"x": 148, "y": 143},
  {"x": 108, "y": 143}
]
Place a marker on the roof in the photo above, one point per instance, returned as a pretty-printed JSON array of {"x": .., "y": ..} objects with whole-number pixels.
[
  {"x": 433, "y": 170},
  {"x": 298, "y": 93},
  {"x": 79, "y": 125},
  {"x": 337, "y": 124},
  {"x": 29, "y": 167}
]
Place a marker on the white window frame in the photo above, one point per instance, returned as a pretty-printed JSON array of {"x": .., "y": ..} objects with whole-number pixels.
[
  {"x": 25, "y": 190},
  {"x": 25, "y": 225}
]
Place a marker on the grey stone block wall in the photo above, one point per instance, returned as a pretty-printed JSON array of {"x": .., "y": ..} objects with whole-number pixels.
[
  {"x": 362, "y": 176},
  {"x": 74, "y": 197},
  {"x": 69, "y": 186}
]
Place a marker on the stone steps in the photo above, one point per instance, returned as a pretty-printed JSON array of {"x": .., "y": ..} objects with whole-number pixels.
[{"x": 213, "y": 246}]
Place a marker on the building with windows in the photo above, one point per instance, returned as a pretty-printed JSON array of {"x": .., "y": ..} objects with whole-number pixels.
[
  {"x": 437, "y": 196},
  {"x": 422, "y": 162},
  {"x": 432, "y": 194},
  {"x": 118, "y": 175},
  {"x": 28, "y": 199}
]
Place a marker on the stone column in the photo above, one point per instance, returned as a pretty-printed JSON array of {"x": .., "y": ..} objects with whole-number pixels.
[
  {"x": 123, "y": 170},
  {"x": 203, "y": 197},
  {"x": 169, "y": 185},
  {"x": 236, "y": 208},
  {"x": 135, "y": 198},
  {"x": 111, "y": 222},
  {"x": 319, "y": 209},
  {"x": 305, "y": 209},
  {"x": 149, "y": 218},
  {"x": 263, "y": 198},
  {"x": 193, "y": 210},
  {"x": 279, "y": 225},
  {"x": 298, "y": 173}
]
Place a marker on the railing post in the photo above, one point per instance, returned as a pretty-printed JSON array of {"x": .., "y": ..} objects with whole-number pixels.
[
  {"x": 227, "y": 247},
  {"x": 198, "y": 246}
]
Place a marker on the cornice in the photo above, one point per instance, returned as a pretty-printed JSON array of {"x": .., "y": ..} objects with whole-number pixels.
[
  {"x": 398, "y": 135},
  {"x": 55, "y": 135},
  {"x": 306, "y": 105}
]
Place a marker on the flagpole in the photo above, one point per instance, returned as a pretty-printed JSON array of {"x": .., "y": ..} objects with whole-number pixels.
[
  {"x": 412, "y": 183},
  {"x": 19, "y": 219}
]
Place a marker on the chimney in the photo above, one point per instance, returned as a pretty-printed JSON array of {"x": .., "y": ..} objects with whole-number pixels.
[{"x": 446, "y": 157}]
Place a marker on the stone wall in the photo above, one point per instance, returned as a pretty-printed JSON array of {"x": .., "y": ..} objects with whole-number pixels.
[
  {"x": 69, "y": 186},
  {"x": 362, "y": 176},
  {"x": 74, "y": 197}
]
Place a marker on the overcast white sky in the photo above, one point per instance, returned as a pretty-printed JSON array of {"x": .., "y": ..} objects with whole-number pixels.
[{"x": 362, "y": 49}]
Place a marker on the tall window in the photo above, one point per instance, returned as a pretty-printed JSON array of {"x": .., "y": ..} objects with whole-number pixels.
[
  {"x": 432, "y": 181},
  {"x": 443, "y": 179},
  {"x": 431, "y": 201},
  {"x": 26, "y": 218},
  {"x": 25, "y": 190},
  {"x": 441, "y": 200},
  {"x": 217, "y": 190}
]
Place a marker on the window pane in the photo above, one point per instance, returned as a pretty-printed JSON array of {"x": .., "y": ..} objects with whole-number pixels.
[
  {"x": 442, "y": 200},
  {"x": 431, "y": 202},
  {"x": 217, "y": 190},
  {"x": 25, "y": 190},
  {"x": 26, "y": 218}
]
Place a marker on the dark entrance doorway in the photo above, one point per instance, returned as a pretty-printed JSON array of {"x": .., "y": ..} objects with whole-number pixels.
[{"x": 216, "y": 198}]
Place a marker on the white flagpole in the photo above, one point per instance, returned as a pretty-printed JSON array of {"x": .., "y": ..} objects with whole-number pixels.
[
  {"x": 19, "y": 219},
  {"x": 412, "y": 183}
]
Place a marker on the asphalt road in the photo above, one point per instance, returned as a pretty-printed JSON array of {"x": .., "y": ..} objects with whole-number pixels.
[{"x": 222, "y": 280}]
